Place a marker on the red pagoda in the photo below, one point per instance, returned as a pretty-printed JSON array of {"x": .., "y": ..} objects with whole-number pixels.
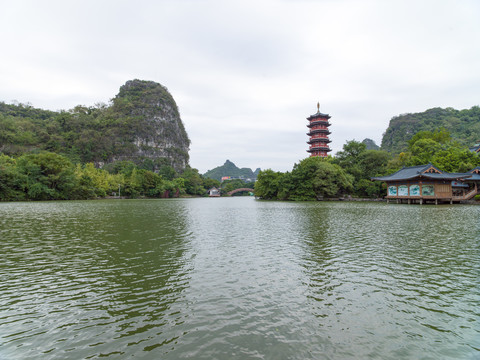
[{"x": 318, "y": 124}]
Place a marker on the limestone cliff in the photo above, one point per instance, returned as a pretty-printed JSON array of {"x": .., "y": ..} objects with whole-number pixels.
[
  {"x": 142, "y": 125},
  {"x": 153, "y": 123}
]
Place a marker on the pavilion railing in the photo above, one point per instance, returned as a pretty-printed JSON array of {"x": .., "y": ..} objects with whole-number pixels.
[{"x": 467, "y": 196}]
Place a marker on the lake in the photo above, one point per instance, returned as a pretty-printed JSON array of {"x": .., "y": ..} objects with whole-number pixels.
[{"x": 238, "y": 278}]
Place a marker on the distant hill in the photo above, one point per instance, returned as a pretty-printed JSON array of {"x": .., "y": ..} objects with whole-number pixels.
[
  {"x": 370, "y": 144},
  {"x": 463, "y": 125},
  {"x": 230, "y": 169},
  {"x": 141, "y": 124}
]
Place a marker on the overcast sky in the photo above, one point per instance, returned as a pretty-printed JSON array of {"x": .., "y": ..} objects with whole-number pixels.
[{"x": 246, "y": 74}]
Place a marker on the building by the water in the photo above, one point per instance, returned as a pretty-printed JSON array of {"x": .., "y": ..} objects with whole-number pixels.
[
  {"x": 318, "y": 133},
  {"x": 419, "y": 184},
  {"x": 214, "y": 192}
]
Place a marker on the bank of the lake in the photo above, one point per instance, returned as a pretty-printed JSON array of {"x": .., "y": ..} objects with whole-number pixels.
[{"x": 238, "y": 278}]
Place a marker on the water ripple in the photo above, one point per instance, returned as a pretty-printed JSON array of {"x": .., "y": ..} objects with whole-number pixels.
[{"x": 240, "y": 279}]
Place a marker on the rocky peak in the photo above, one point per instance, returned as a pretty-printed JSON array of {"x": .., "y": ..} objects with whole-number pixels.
[{"x": 153, "y": 124}]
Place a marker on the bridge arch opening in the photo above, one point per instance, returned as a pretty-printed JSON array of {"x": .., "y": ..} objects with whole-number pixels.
[{"x": 240, "y": 190}]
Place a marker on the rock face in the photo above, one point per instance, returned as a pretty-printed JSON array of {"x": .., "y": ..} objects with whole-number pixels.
[
  {"x": 142, "y": 125},
  {"x": 152, "y": 124},
  {"x": 370, "y": 144}
]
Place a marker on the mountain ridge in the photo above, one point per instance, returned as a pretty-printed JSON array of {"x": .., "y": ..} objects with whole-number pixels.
[
  {"x": 230, "y": 169},
  {"x": 463, "y": 125}
]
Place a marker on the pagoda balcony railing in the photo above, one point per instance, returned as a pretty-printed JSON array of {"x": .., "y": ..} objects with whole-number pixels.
[
  {"x": 319, "y": 131},
  {"x": 319, "y": 122},
  {"x": 318, "y": 148},
  {"x": 319, "y": 140}
]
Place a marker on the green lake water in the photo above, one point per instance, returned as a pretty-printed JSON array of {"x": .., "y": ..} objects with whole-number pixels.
[{"x": 238, "y": 278}]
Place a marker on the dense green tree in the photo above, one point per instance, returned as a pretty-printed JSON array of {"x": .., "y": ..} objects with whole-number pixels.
[
  {"x": 373, "y": 163},
  {"x": 49, "y": 176},
  {"x": 350, "y": 153},
  {"x": 316, "y": 178},
  {"x": 94, "y": 182},
  {"x": 12, "y": 183},
  {"x": 363, "y": 164},
  {"x": 349, "y": 157},
  {"x": 152, "y": 184},
  {"x": 312, "y": 178},
  {"x": 438, "y": 148},
  {"x": 193, "y": 181},
  {"x": 210, "y": 183},
  {"x": 268, "y": 184},
  {"x": 167, "y": 172},
  {"x": 178, "y": 185},
  {"x": 441, "y": 136},
  {"x": 423, "y": 151},
  {"x": 120, "y": 167}
]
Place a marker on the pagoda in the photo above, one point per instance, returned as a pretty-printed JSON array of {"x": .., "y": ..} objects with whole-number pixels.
[{"x": 318, "y": 125}]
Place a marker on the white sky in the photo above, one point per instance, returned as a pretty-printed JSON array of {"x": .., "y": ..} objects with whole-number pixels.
[{"x": 246, "y": 74}]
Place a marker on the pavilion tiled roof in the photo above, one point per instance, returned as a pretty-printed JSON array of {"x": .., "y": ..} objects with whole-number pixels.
[{"x": 420, "y": 171}]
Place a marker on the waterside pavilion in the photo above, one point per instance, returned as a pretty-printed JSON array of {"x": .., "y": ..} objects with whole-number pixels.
[{"x": 419, "y": 184}]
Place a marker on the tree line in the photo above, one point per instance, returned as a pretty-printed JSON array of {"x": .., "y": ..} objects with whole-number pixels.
[
  {"x": 50, "y": 176},
  {"x": 44, "y": 175}
]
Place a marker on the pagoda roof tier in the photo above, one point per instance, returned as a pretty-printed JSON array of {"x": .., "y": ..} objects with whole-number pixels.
[
  {"x": 319, "y": 122},
  {"x": 319, "y": 115},
  {"x": 319, "y": 148},
  {"x": 318, "y": 131},
  {"x": 319, "y": 140}
]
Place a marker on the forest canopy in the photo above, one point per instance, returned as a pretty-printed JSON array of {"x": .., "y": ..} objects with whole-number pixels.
[{"x": 463, "y": 126}]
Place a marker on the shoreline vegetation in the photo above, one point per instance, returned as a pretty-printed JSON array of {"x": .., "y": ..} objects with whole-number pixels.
[
  {"x": 50, "y": 176},
  {"x": 346, "y": 177}
]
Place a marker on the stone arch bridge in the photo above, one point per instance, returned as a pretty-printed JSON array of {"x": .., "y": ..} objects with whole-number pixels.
[{"x": 239, "y": 190}]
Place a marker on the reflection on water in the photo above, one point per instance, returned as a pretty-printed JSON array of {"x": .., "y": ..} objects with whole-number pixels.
[
  {"x": 89, "y": 278},
  {"x": 238, "y": 278},
  {"x": 405, "y": 278}
]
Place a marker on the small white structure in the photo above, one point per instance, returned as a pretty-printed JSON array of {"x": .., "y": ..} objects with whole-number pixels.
[{"x": 214, "y": 192}]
